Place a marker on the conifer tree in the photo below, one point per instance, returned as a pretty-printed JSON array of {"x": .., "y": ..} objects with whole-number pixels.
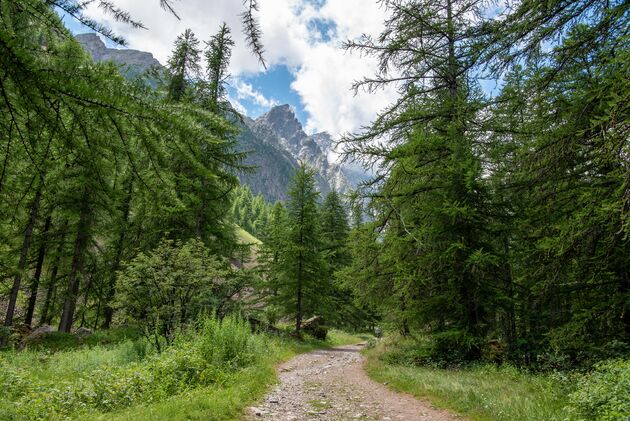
[
  {"x": 217, "y": 55},
  {"x": 274, "y": 243},
  {"x": 434, "y": 252},
  {"x": 183, "y": 64},
  {"x": 297, "y": 278},
  {"x": 334, "y": 231}
]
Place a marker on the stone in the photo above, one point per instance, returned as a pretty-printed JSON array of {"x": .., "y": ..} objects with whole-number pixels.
[
  {"x": 83, "y": 332},
  {"x": 315, "y": 327},
  {"x": 36, "y": 335}
]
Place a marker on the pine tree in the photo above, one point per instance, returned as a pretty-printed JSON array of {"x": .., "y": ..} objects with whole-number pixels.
[
  {"x": 271, "y": 253},
  {"x": 434, "y": 253},
  {"x": 296, "y": 277},
  {"x": 334, "y": 231},
  {"x": 183, "y": 64},
  {"x": 217, "y": 55}
]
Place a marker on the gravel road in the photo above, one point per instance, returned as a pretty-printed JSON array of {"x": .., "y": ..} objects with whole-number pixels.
[{"x": 330, "y": 384}]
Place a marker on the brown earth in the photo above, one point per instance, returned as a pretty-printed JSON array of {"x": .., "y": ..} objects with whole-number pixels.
[{"x": 330, "y": 384}]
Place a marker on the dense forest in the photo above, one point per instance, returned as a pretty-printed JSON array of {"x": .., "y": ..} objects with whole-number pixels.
[
  {"x": 495, "y": 228},
  {"x": 501, "y": 220}
]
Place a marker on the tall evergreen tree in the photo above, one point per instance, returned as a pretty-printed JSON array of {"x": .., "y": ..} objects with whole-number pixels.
[
  {"x": 334, "y": 231},
  {"x": 431, "y": 201},
  {"x": 218, "y": 53},
  {"x": 183, "y": 64},
  {"x": 300, "y": 289}
]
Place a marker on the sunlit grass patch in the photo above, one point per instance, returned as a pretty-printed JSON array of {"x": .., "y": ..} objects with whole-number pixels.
[{"x": 482, "y": 392}]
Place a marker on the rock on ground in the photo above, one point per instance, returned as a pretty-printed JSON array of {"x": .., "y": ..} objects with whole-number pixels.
[{"x": 330, "y": 384}]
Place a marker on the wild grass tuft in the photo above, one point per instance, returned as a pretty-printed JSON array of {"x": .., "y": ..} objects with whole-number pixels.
[{"x": 482, "y": 392}]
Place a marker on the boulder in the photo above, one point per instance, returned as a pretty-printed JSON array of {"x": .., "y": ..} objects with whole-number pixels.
[
  {"x": 257, "y": 325},
  {"x": 36, "y": 335},
  {"x": 315, "y": 327},
  {"x": 82, "y": 332}
]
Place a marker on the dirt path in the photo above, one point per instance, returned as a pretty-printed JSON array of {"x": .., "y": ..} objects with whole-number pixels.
[{"x": 330, "y": 384}]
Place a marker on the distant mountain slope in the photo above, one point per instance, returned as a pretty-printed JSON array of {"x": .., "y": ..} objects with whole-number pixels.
[
  {"x": 274, "y": 167},
  {"x": 133, "y": 62},
  {"x": 276, "y": 141}
]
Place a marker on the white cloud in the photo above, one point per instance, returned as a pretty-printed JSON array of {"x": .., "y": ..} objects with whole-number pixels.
[
  {"x": 237, "y": 105},
  {"x": 245, "y": 90},
  {"x": 323, "y": 72}
]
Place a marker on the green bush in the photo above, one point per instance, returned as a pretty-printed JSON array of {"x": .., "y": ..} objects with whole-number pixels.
[
  {"x": 167, "y": 288},
  {"x": 408, "y": 351},
  {"x": 603, "y": 394},
  {"x": 450, "y": 348},
  {"x": 455, "y": 346},
  {"x": 215, "y": 350}
]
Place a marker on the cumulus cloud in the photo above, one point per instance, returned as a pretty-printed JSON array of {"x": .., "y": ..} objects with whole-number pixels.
[
  {"x": 245, "y": 90},
  {"x": 304, "y": 35}
]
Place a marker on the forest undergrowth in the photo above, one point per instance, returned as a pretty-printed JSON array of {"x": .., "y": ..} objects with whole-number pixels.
[{"x": 214, "y": 370}]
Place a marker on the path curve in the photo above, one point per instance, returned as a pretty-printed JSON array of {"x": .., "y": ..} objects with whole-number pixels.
[{"x": 330, "y": 384}]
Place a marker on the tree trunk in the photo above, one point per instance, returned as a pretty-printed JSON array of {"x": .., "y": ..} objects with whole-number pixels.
[
  {"x": 41, "y": 254},
  {"x": 65, "y": 324},
  {"x": 52, "y": 282},
  {"x": 28, "y": 233},
  {"x": 298, "y": 315},
  {"x": 86, "y": 297},
  {"x": 111, "y": 288},
  {"x": 200, "y": 223}
]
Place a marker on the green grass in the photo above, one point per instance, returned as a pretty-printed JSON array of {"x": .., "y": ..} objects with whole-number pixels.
[
  {"x": 245, "y": 237},
  {"x": 66, "y": 365},
  {"x": 61, "y": 341},
  {"x": 483, "y": 392}
]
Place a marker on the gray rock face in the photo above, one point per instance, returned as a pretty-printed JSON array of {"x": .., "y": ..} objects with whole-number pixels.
[
  {"x": 36, "y": 335},
  {"x": 133, "y": 62},
  {"x": 312, "y": 150},
  {"x": 273, "y": 166}
]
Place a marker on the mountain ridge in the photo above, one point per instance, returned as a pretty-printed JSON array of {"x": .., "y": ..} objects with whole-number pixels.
[{"x": 276, "y": 140}]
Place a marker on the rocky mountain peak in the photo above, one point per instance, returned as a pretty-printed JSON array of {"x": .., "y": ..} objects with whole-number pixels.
[
  {"x": 323, "y": 140},
  {"x": 92, "y": 44},
  {"x": 282, "y": 120}
]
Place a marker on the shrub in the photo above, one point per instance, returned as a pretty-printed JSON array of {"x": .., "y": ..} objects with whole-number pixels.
[
  {"x": 409, "y": 351},
  {"x": 208, "y": 356},
  {"x": 228, "y": 343},
  {"x": 455, "y": 346},
  {"x": 449, "y": 348},
  {"x": 165, "y": 289},
  {"x": 603, "y": 394}
]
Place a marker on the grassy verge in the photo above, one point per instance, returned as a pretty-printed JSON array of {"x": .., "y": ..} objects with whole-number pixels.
[
  {"x": 228, "y": 400},
  {"x": 482, "y": 392},
  {"x": 204, "y": 377}
]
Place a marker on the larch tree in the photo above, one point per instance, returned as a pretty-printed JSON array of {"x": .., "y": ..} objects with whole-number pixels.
[
  {"x": 298, "y": 280},
  {"x": 429, "y": 195},
  {"x": 183, "y": 65}
]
